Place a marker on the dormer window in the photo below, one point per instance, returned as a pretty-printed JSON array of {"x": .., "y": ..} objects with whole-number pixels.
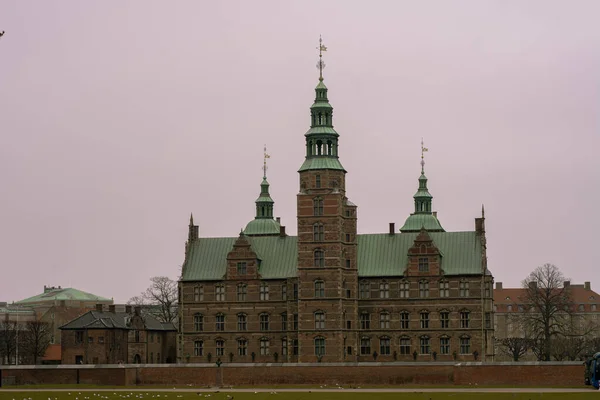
[
  {"x": 423, "y": 264},
  {"x": 242, "y": 268}
]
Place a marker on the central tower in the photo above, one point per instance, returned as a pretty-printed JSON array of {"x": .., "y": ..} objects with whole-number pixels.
[{"x": 327, "y": 270}]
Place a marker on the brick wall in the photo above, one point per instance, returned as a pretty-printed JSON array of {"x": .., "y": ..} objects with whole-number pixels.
[{"x": 202, "y": 375}]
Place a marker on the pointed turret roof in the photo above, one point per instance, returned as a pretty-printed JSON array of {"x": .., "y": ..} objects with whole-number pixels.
[{"x": 263, "y": 223}]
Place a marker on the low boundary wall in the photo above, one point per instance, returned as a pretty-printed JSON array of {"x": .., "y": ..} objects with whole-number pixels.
[{"x": 533, "y": 374}]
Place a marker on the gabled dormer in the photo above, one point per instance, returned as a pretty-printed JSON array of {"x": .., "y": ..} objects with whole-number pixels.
[
  {"x": 424, "y": 258},
  {"x": 242, "y": 261}
]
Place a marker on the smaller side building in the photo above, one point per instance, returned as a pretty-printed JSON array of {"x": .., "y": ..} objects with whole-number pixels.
[{"x": 111, "y": 337}]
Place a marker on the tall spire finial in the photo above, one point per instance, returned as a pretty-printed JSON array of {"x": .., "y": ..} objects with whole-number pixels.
[
  {"x": 191, "y": 219},
  {"x": 265, "y": 162},
  {"x": 423, "y": 150},
  {"x": 321, "y": 63}
]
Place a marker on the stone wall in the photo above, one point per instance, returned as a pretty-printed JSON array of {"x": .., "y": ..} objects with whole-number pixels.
[{"x": 349, "y": 374}]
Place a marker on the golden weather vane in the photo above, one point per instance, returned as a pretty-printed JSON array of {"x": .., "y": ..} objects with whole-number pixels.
[
  {"x": 265, "y": 155},
  {"x": 321, "y": 63},
  {"x": 423, "y": 150}
]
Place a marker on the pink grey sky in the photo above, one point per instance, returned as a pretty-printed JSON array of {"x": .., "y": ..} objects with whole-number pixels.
[{"x": 119, "y": 118}]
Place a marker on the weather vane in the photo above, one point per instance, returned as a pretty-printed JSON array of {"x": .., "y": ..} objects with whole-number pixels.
[
  {"x": 423, "y": 150},
  {"x": 321, "y": 63},
  {"x": 265, "y": 162}
]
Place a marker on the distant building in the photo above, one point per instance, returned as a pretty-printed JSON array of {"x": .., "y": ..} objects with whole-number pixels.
[
  {"x": 20, "y": 315},
  {"x": 111, "y": 337},
  {"x": 509, "y": 302}
]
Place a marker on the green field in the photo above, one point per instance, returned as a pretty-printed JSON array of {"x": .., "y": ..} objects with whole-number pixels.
[{"x": 341, "y": 395}]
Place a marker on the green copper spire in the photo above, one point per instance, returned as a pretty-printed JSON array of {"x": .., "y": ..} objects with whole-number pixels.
[
  {"x": 423, "y": 217},
  {"x": 263, "y": 224},
  {"x": 321, "y": 138}
]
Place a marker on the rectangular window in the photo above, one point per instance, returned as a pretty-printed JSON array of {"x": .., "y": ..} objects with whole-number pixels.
[
  {"x": 91, "y": 340},
  {"x": 424, "y": 320},
  {"x": 384, "y": 290},
  {"x": 198, "y": 322},
  {"x": 423, "y": 264},
  {"x": 318, "y": 206},
  {"x": 151, "y": 358},
  {"x": 404, "y": 289},
  {"x": 423, "y": 289},
  {"x": 242, "y": 322},
  {"x": 404, "y": 320},
  {"x": 384, "y": 346},
  {"x": 319, "y": 289},
  {"x": 198, "y": 293},
  {"x": 347, "y": 237},
  {"x": 404, "y": 345},
  {"x": 348, "y": 324},
  {"x": 220, "y": 347},
  {"x": 365, "y": 346},
  {"x": 264, "y": 347},
  {"x": 464, "y": 289},
  {"x": 384, "y": 320},
  {"x": 101, "y": 339},
  {"x": 264, "y": 322},
  {"x": 319, "y": 320},
  {"x": 488, "y": 289},
  {"x": 348, "y": 263},
  {"x": 295, "y": 347},
  {"x": 242, "y": 347},
  {"x": 318, "y": 181},
  {"x": 241, "y": 292},
  {"x": 198, "y": 348},
  {"x": 444, "y": 319},
  {"x": 319, "y": 260},
  {"x": 318, "y": 232},
  {"x": 295, "y": 291},
  {"x": 365, "y": 321},
  {"x": 365, "y": 290},
  {"x": 424, "y": 348},
  {"x": 220, "y": 293},
  {"x": 444, "y": 289},
  {"x": 242, "y": 268},
  {"x": 158, "y": 360},
  {"x": 320, "y": 346},
  {"x": 220, "y": 322},
  {"x": 464, "y": 319},
  {"x": 284, "y": 321},
  {"x": 284, "y": 292},
  {"x": 284, "y": 347},
  {"x": 444, "y": 345},
  {"x": 465, "y": 345},
  {"x": 488, "y": 320},
  {"x": 295, "y": 322},
  {"x": 264, "y": 291}
]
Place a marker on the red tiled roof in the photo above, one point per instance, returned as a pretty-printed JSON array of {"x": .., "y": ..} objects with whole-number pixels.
[
  {"x": 517, "y": 296},
  {"x": 53, "y": 353}
]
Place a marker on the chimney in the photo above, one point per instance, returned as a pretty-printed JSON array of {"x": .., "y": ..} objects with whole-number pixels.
[
  {"x": 566, "y": 284},
  {"x": 99, "y": 307},
  {"x": 278, "y": 219},
  {"x": 128, "y": 309},
  {"x": 434, "y": 214},
  {"x": 111, "y": 308},
  {"x": 392, "y": 228},
  {"x": 533, "y": 285},
  {"x": 137, "y": 310},
  {"x": 282, "y": 231},
  {"x": 498, "y": 285},
  {"x": 587, "y": 286}
]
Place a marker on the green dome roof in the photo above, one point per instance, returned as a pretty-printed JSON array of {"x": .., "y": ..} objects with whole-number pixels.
[
  {"x": 262, "y": 226},
  {"x": 415, "y": 222}
]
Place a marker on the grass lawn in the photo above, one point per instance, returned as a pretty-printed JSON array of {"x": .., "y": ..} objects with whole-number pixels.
[{"x": 341, "y": 395}]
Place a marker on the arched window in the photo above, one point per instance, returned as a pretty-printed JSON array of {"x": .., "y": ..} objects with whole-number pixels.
[
  {"x": 317, "y": 206},
  {"x": 264, "y": 346},
  {"x": 242, "y": 322},
  {"x": 264, "y": 322},
  {"x": 319, "y": 320},
  {"x": 465, "y": 319},
  {"x": 424, "y": 319},
  {"x": 318, "y": 232},
  {"x": 404, "y": 320},
  {"x": 384, "y": 346},
  {"x": 198, "y": 322},
  {"x": 365, "y": 346},
  {"x": 384, "y": 320},
  {"x": 319, "y": 346},
  {"x": 242, "y": 346},
  {"x": 220, "y": 322},
  {"x": 242, "y": 290},
  {"x": 404, "y": 345},
  {"x": 425, "y": 345},
  {"x": 319, "y": 288},
  {"x": 220, "y": 347},
  {"x": 198, "y": 348},
  {"x": 319, "y": 258}
]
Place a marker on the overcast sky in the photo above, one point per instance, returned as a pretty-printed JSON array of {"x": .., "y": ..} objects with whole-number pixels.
[{"x": 119, "y": 118}]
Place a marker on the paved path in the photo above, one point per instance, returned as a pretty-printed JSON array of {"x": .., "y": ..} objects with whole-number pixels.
[{"x": 586, "y": 389}]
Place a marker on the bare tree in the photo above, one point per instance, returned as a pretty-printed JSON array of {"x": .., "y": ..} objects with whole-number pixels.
[
  {"x": 36, "y": 339},
  {"x": 548, "y": 308},
  {"x": 8, "y": 340},
  {"x": 515, "y": 347},
  {"x": 160, "y": 299}
]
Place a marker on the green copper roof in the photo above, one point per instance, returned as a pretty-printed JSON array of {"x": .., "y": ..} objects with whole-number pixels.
[
  {"x": 415, "y": 222},
  {"x": 207, "y": 257},
  {"x": 320, "y": 130},
  {"x": 320, "y": 85},
  {"x": 321, "y": 163},
  {"x": 386, "y": 255},
  {"x": 262, "y": 226},
  {"x": 67, "y": 294},
  {"x": 321, "y": 104},
  {"x": 378, "y": 255}
]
